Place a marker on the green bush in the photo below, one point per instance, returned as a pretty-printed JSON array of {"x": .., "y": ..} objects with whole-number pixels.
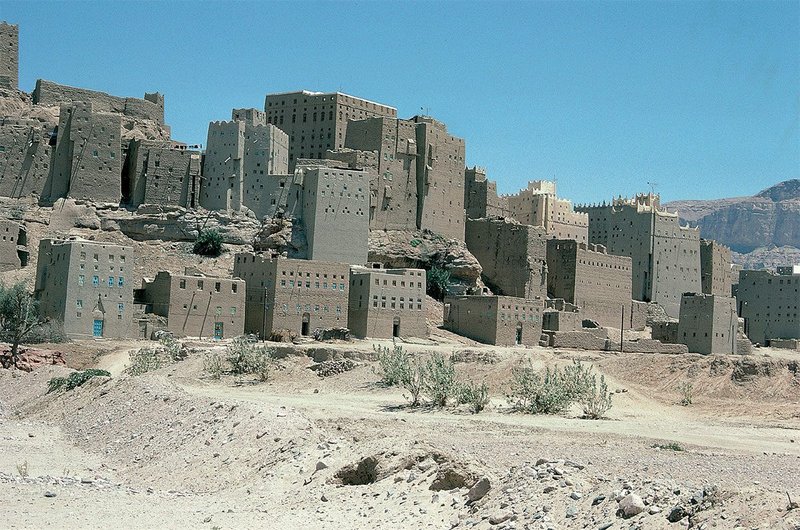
[
  {"x": 475, "y": 396},
  {"x": 74, "y": 380},
  {"x": 394, "y": 364},
  {"x": 671, "y": 446},
  {"x": 549, "y": 392},
  {"x": 415, "y": 381},
  {"x": 50, "y": 331},
  {"x": 213, "y": 364},
  {"x": 246, "y": 357},
  {"x": 597, "y": 400},
  {"x": 438, "y": 279},
  {"x": 208, "y": 243},
  {"x": 146, "y": 360},
  {"x": 440, "y": 379},
  {"x": 686, "y": 388}
]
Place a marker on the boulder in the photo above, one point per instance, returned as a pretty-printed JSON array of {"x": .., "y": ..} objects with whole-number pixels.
[{"x": 631, "y": 505}]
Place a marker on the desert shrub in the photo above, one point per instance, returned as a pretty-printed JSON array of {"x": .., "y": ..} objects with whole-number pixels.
[
  {"x": 213, "y": 364},
  {"x": 208, "y": 243},
  {"x": 549, "y": 392},
  {"x": 440, "y": 379},
  {"x": 247, "y": 357},
  {"x": 174, "y": 349},
  {"x": 671, "y": 446},
  {"x": 22, "y": 469},
  {"x": 146, "y": 360},
  {"x": 415, "y": 381},
  {"x": 476, "y": 396},
  {"x": 74, "y": 380},
  {"x": 597, "y": 400},
  {"x": 394, "y": 364},
  {"x": 437, "y": 281},
  {"x": 686, "y": 388}
]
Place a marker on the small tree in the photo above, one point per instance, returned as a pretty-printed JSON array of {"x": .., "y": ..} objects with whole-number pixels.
[
  {"x": 19, "y": 315},
  {"x": 208, "y": 243},
  {"x": 440, "y": 380},
  {"x": 437, "y": 280}
]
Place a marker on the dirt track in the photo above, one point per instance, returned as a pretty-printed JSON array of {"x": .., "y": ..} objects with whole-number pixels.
[{"x": 202, "y": 445}]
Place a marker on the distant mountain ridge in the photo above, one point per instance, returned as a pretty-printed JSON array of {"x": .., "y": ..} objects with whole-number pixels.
[{"x": 769, "y": 219}]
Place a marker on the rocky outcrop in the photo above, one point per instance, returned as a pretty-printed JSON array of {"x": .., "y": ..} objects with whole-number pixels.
[
  {"x": 767, "y": 220},
  {"x": 424, "y": 249},
  {"x": 281, "y": 236}
]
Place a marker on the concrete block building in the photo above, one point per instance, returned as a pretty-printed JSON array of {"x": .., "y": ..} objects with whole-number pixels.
[
  {"x": 87, "y": 286},
  {"x": 9, "y": 56},
  {"x": 240, "y": 154},
  {"x": 513, "y": 256},
  {"x": 162, "y": 173},
  {"x": 292, "y": 294},
  {"x": 316, "y": 122},
  {"x": 498, "y": 320},
  {"x": 196, "y": 305},
  {"x": 25, "y": 157},
  {"x": 708, "y": 323},
  {"x": 87, "y": 161},
  {"x": 586, "y": 276},
  {"x": 13, "y": 246},
  {"x": 387, "y": 303},
  {"x": 665, "y": 256},
  {"x": 769, "y": 302},
  {"x": 715, "y": 268}
]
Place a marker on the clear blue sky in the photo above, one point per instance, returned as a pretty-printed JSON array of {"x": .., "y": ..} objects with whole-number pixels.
[{"x": 701, "y": 98}]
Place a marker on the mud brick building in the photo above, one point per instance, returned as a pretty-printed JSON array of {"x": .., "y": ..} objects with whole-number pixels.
[
  {"x": 597, "y": 283},
  {"x": 316, "y": 121},
  {"x": 87, "y": 286},
  {"x": 393, "y": 184},
  {"x": 87, "y": 161},
  {"x": 715, "y": 268},
  {"x": 708, "y": 323},
  {"x": 13, "y": 246},
  {"x": 665, "y": 256},
  {"x": 387, "y": 303},
  {"x": 25, "y": 156},
  {"x": 163, "y": 173},
  {"x": 769, "y": 302},
  {"x": 480, "y": 196},
  {"x": 9, "y": 56},
  {"x": 196, "y": 305},
  {"x": 512, "y": 255},
  {"x": 292, "y": 294},
  {"x": 239, "y": 154},
  {"x": 498, "y": 320},
  {"x": 538, "y": 205}
]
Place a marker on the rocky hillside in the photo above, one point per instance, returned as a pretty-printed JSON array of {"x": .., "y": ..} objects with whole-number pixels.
[{"x": 764, "y": 221}]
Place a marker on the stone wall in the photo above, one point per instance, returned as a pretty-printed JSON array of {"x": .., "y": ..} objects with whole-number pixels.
[
  {"x": 50, "y": 93},
  {"x": 512, "y": 255}
]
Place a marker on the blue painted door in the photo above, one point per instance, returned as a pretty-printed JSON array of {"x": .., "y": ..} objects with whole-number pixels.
[
  {"x": 97, "y": 329},
  {"x": 218, "y": 330}
]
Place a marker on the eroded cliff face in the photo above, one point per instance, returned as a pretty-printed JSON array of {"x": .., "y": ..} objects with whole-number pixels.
[{"x": 769, "y": 219}]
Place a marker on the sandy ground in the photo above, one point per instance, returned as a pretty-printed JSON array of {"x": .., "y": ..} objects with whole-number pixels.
[{"x": 176, "y": 449}]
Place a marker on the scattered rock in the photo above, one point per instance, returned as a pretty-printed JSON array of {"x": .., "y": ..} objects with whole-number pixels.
[
  {"x": 479, "y": 490},
  {"x": 631, "y": 505}
]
